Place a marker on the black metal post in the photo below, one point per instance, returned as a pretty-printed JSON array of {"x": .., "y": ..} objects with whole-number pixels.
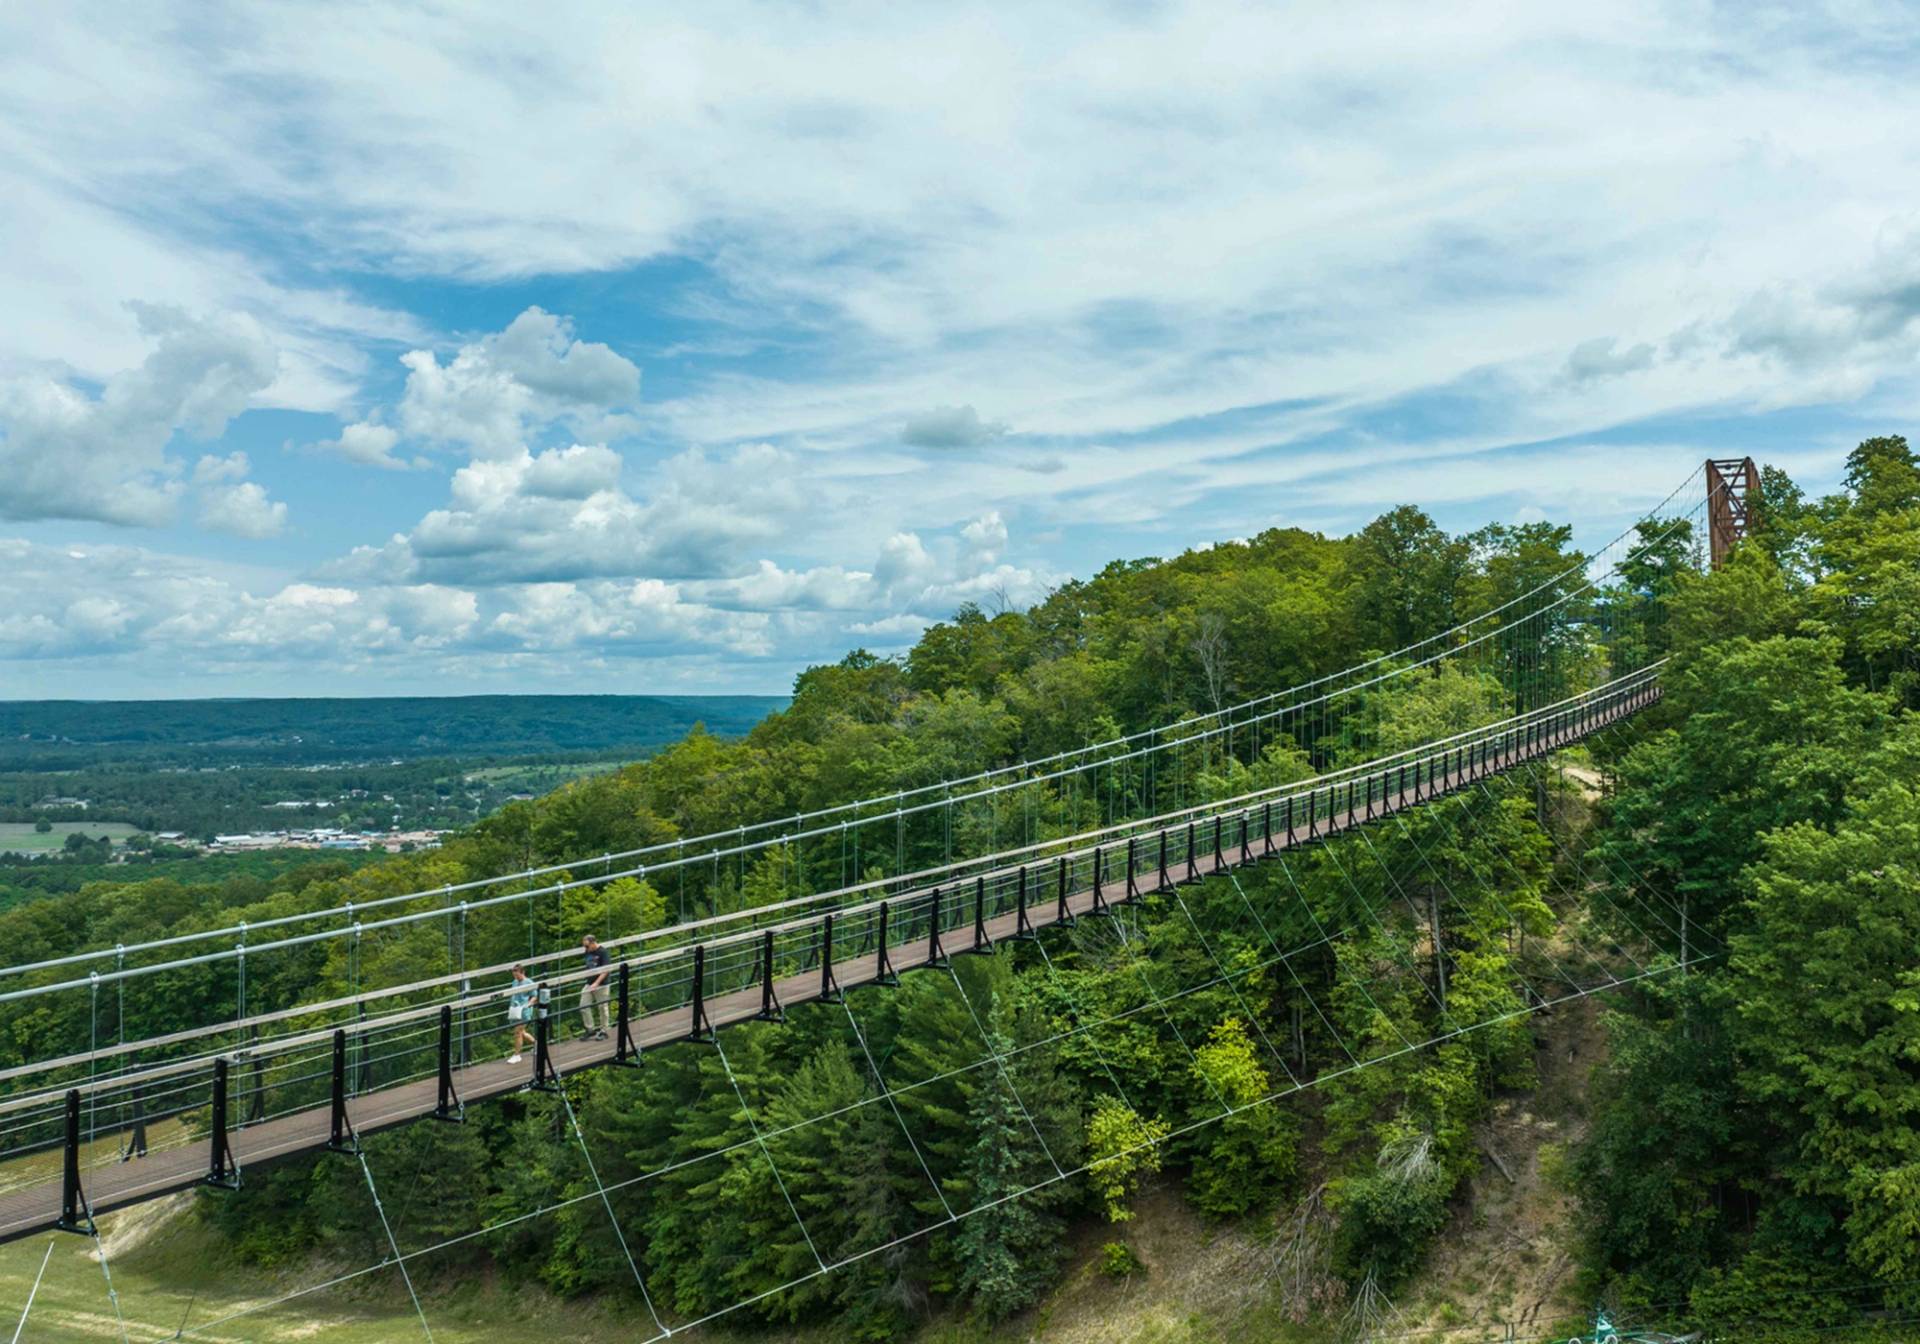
[
  {"x": 1133, "y": 885},
  {"x": 1166, "y": 874},
  {"x": 1099, "y": 895},
  {"x": 545, "y": 1077},
  {"x": 981, "y": 943},
  {"x": 883, "y": 970},
  {"x": 1288, "y": 822},
  {"x": 340, "y": 1135},
  {"x": 699, "y": 1029},
  {"x": 936, "y": 954},
  {"x": 137, "y": 1139},
  {"x": 222, "y": 1172},
  {"x": 829, "y": 987},
  {"x": 257, "y": 1095},
  {"x": 1063, "y": 915},
  {"x": 1193, "y": 846},
  {"x": 448, "y": 1106},
  {"x": 625, "y": 1049},
  {"x": 1022, "y": 927},
  {"x": 1246, "y": 820},
  {"x": 1219, "y": 855},
  {"x": 73, "y": 1205},
  {"x": 769, "y": 1002}
]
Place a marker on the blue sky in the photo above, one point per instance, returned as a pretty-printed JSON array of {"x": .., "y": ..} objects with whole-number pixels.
[{"x": 391, "y": 350}]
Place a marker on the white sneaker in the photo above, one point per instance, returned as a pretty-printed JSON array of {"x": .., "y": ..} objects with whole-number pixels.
[{"x": 513, "y": 1059}]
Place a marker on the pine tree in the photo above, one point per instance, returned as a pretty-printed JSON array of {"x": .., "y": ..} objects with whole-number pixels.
[{"x": 1010, "y": 1246}]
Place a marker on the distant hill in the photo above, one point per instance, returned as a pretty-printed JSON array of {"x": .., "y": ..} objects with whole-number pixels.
[{"x": 40, "y": 733}]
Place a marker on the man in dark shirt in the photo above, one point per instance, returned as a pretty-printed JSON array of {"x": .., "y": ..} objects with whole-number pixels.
[{"x": 595, "y": 1018}]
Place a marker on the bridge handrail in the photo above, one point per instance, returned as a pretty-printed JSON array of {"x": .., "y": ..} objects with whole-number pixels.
[
  {"x": 1240, "y": 805},
  {"x": 420, "y": 916},
  {"x": 350, "y": 909}
]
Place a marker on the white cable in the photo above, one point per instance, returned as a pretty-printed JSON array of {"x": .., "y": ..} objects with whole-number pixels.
[
  {"x": 34, "y": 1291},
  {"x": 896, "y": 797},
  {"x": 399, "y": 1261}
]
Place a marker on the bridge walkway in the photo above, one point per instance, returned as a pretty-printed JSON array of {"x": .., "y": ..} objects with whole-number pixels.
[{"x": 110, "y": 1184}]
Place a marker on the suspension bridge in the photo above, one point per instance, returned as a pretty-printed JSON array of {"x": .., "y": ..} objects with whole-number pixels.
[{"x": 108, "y": 1123}]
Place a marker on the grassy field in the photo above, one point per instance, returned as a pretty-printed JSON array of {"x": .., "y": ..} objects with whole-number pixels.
[
  {"x": 171, "y": 1275},
  {"x": 171, "y": 1280},
  {"x": 20, "y": 836}
]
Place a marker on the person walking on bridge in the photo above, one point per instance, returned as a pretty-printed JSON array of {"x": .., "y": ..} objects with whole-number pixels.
[
  {"x": 520, "y": 996},
  {"x": 594, "y": 1016}
]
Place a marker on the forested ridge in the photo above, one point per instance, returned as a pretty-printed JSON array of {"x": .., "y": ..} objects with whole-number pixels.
[
  {"x": 1756, "y": 1150},
  {"x": 1752, "y": 1144}
]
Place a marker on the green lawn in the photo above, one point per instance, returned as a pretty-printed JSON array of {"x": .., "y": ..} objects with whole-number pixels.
[
  {"x": 173, "y": 1274},
  {"x": 22, "y": 838}
]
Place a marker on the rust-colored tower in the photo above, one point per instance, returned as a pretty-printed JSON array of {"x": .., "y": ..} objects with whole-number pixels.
[{"x": 1733, "y": 503}]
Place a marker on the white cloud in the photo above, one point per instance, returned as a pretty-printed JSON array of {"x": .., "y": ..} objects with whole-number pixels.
[
  {"x": 1210, "y": 261},
  {"x": 66, "y": 453},
  {"x": 579, "y": 472},
  {"x": 166, "y": 606},
  {"x": 243, "y": 510},
  {"x": 986, "y": 536},
  {"x": 905, "y": 627},
  {"x": 370, "y": 444},
  {"x": 230, "y": 503},
  {"x": 483, "y": 399}
]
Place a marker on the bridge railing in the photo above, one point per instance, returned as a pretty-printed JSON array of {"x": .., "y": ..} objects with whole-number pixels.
[
  {"x": 206, "y": 972},
  {"x": 298, "y": 1074}
]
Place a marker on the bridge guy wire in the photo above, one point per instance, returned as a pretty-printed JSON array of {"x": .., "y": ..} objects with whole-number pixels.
[
  {"x": 353, "y": 912},
  {"x": 1546, "y": 729},
  {"x": 889, "y": 1094},
  {"x": 1304, "y": 790},
  {"x": 1306, "y": 787},
  {"x": 760, "y": 1138}
]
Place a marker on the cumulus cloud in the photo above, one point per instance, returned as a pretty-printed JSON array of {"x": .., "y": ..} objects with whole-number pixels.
[
  {"x": 164, "y": 605},
  {"x": 230, "y": 503},
  {"x": 243, "y": 510},
  {"x": 579, "y": 472},
  {"x": 986, "y": 536},
  {"x": 68, "y": 453},
  {"x": 370, "y": 444},
  {"x": 483, "y": 399},
  {"x": 562, "y": 515},
  {"x": 951, "y": 427},
  {"x": 1163, "y": 345}
]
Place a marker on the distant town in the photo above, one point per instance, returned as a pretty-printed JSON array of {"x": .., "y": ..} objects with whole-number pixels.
[{"x": 320, "y": 837}]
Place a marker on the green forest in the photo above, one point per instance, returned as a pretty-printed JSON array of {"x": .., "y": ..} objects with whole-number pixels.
[{"x": 1743, "y": 858}]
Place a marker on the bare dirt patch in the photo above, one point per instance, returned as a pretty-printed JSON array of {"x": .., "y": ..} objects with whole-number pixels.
[{"x": 1508, "y": 1254}]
